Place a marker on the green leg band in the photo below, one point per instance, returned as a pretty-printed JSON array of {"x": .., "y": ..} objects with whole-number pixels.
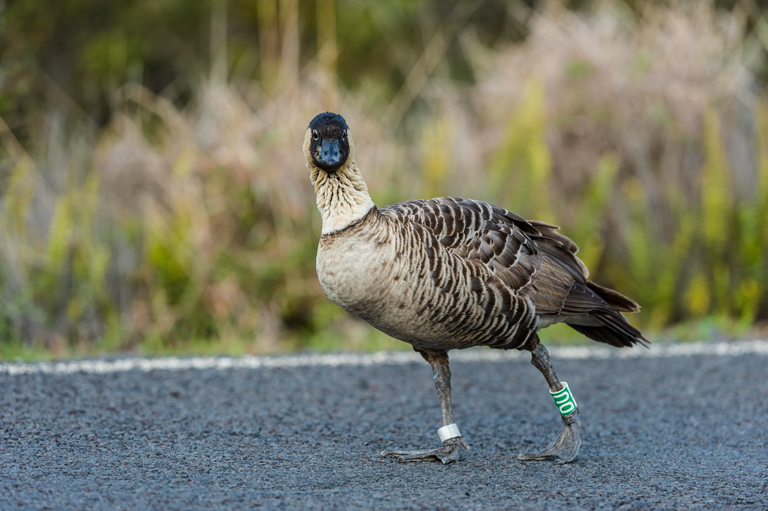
[{"x": 564, "y": 401}]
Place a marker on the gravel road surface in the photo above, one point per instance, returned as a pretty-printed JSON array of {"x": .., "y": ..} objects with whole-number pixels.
[{"x": 669, "y": 428}]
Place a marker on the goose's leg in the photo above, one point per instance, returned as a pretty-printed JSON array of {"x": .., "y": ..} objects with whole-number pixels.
[
  {"x": 566, "y": 447},
  {"x": 451, "y": 448}
]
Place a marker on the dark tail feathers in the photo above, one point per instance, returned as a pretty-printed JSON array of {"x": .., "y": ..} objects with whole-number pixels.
[
  {"x": 615, "y": 331},
  {"x": 615, "y": 299}
]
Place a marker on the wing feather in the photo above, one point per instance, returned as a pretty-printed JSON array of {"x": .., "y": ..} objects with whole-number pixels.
[{"x": 532, "y": 259}]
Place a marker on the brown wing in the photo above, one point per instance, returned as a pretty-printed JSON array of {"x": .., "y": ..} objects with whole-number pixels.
[{"x": 530, "y": 257}]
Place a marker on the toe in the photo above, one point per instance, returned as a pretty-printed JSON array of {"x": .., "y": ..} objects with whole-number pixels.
[{"x": 531, "y": 457}]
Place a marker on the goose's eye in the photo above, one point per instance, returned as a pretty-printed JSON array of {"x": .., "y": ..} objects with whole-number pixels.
[
  {"x": 344, "y": 135},
  {"x": 315, "y": 136}
]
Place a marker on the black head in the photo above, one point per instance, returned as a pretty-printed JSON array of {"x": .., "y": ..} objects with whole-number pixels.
[{"x": 328, "y": 141}]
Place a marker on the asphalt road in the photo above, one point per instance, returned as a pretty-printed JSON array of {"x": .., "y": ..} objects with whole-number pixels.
[{"x": 678, "y": 431}]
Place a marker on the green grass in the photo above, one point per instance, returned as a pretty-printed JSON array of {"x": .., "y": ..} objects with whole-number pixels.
[
  {"x": 193, "y": 230},
  {"x": 365, "y": 339}
]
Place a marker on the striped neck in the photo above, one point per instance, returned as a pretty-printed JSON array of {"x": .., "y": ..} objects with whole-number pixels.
[{"x": 342, "y": 196}]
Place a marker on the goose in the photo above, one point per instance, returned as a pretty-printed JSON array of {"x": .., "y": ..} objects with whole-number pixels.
[{"x": 452, "y": 273}]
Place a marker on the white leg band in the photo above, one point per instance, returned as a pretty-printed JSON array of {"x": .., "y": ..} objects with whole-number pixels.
[{"x": 448, "y": 432}]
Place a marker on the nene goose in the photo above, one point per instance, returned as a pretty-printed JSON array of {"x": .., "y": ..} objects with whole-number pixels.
[{"x": 450, "y": 273}]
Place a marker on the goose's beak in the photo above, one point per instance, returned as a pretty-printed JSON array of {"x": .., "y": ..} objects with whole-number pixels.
[{"x": 329, "y": 152}]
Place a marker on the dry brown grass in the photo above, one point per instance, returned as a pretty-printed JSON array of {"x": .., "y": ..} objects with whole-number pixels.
[{"x": 644, "y": 139}]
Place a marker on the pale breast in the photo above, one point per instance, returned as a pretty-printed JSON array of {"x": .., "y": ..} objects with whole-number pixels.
[
  {"x": 352, "y": 269},
  {"x": 365, "y": 270}
]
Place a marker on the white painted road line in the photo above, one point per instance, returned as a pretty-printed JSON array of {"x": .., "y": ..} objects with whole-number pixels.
[{"x": 757, "y": 347}]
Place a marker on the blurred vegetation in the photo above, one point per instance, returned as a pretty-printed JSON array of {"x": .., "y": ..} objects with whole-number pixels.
[{"x": 153, "y": 194}]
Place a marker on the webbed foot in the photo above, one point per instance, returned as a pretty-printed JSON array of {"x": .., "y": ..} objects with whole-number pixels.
[
  {"x": 448, "y": 452},
  {"x": 565, "y": 448}
]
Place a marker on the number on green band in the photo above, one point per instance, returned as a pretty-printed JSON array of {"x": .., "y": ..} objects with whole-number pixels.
[{"x": 564, "y": 400}]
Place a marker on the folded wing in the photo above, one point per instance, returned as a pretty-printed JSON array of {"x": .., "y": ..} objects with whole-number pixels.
[{"x": 532, "y": 259}]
